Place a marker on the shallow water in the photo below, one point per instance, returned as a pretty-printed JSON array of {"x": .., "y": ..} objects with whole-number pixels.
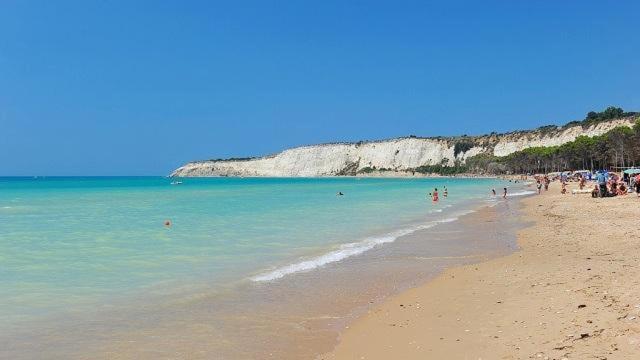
[{"x": 88, "y": 264}]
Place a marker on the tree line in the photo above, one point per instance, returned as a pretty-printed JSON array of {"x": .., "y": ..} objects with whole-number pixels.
[
  {"x": 618, "y": 148},
  {"x": 594, "y": 117}
]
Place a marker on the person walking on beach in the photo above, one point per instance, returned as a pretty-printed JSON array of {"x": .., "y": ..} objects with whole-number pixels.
[
  {"x": 638, "y": 185},
  {"x": 546, "y": 183},
  {"x": 602, "y": 183},
  {"x": 539, "y": 185},
  {"x": 504, "y": 196}
]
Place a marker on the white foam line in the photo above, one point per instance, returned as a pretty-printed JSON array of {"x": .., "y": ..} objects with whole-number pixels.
[
  {"x": 522, "y": 193},
  {"x": 347, "y": 250},
  {"x": 463, "y": 213},
  {"x": 497, "y": 197}
]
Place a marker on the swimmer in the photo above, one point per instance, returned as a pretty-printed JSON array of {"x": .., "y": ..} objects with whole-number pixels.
[
  {"x": 435, "y": 195},
  {"x": 339, "y": 193},
  {"x": 167, "y": 223}
]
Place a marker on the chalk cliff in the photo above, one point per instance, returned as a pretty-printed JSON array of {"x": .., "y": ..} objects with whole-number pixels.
[{"x": 400, "y": 154}]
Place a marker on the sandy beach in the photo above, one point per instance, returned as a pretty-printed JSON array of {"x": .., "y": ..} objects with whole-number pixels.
[{"x": 571, "y": 292}]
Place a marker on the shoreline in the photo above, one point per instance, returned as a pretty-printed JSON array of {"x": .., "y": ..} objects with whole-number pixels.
[
  {"x": 303, "y": 316},
  {"x": 376, "y": 174},
  {"x": 296, "y": 318},
  {"x": 558, "y": 297}
]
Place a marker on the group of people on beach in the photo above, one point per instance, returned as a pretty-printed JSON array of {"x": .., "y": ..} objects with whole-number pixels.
[
  {"x": 542, "y": 181},
  {"x": 610, "y": 185},
  {"x": 607, "y": 184}
]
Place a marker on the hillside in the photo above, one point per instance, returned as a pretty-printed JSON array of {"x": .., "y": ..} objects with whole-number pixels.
[{"x": 398, "y": 155}]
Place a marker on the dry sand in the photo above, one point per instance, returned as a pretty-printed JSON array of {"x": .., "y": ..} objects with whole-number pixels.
[{"x": 571, "y": 292}]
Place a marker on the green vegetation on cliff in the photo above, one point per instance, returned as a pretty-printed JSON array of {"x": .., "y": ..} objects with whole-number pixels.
[
  {"x": 609, "y": 113},
  {"x": 619, "y": 147}
]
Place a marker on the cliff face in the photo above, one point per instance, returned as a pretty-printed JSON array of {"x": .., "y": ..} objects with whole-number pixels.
[{"x": 395, "y": 154}]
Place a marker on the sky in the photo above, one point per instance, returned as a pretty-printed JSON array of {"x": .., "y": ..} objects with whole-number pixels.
[{"x": 141, "y": 87}]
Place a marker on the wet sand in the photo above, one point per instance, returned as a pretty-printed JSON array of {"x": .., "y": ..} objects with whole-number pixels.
[{"x": 572, "y": 292}]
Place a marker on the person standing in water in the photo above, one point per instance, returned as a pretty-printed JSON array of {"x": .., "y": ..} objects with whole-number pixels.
[
  {"x": 493, "y": 191},
  {"x": 435, "y": 195},
  {"x": 504, "y": 196},
  {"x": 446, "y": 192}
]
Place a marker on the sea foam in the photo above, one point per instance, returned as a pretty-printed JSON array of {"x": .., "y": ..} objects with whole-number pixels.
[
  {"x": 521, "y": 193},
  {"x": 349, "y": 249}
]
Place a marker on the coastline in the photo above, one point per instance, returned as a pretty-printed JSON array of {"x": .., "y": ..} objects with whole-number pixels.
[
  {"x": 406, "y": 153},
  {"x": 373, "y": 174},
  {"x": 298, "y": 317},
  {"x": 303, "y": 316},
  {"x": 572, "y": 291}
]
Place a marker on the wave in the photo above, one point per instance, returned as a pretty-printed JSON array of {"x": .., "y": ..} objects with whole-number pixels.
[
  {"x": 521, "y": 193},
  {"x": 348, "y": 250},
  {"x": 498, "y": 196}
]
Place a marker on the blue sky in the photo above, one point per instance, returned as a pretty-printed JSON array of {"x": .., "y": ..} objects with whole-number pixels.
[{"x": 138, "y": 88}]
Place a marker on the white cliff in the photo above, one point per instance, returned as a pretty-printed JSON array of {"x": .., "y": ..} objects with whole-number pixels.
[{"x": 401, "y": 154}]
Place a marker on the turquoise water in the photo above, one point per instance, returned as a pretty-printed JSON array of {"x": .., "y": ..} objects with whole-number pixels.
[{"x": 77, "y": 243}]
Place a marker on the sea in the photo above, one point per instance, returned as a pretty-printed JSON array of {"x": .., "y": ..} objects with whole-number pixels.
[{"x": 100, "y": 265}]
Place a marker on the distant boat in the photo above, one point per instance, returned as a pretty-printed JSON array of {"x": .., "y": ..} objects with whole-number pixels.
[{"x": 176, "y": 183}]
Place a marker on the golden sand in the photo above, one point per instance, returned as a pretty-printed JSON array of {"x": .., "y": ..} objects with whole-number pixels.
[{"x": 572, "y": 292}]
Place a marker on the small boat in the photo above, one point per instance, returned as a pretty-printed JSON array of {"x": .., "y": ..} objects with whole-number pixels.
[{"x": 176, "y": 183}]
